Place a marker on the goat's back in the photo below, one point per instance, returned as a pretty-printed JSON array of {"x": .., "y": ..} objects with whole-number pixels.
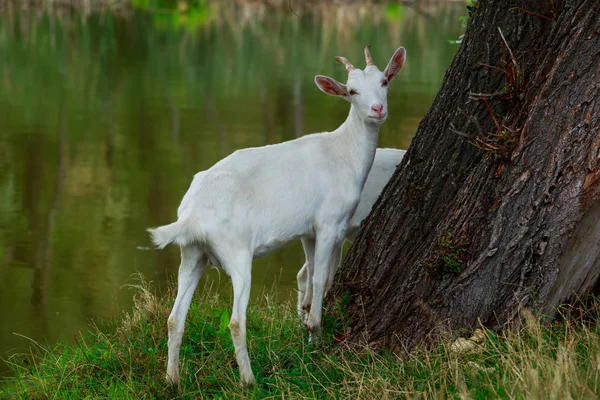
[{"x": 271, "y": 195}]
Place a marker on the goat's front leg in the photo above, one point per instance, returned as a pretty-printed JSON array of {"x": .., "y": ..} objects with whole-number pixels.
[
  {"x": 193, "y": 264},
  {"x": 328, "y": 244},
  {"x": 305, "y": 277}
]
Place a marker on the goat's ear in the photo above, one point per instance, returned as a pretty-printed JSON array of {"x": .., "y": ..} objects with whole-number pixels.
[
  {"x": 331, "y": 86},
  {"x": 395, "y": 64}
]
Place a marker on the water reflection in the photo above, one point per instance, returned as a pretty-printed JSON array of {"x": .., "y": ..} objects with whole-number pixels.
[{"x": 105, "y": 117}]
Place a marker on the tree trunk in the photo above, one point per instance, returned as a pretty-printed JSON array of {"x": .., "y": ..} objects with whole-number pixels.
[{"x": 496, "y": 204}]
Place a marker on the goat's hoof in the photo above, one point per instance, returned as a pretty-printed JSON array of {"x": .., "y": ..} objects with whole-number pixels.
[
  {"x": 173, "y": 380},
  {"x": 312, "y": 323},
  {"x": 248, "y": 380}
]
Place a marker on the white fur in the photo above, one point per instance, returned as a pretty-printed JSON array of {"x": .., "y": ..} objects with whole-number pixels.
[
  {"x": 258, "y": 199},
  {"x": 383, "y": 167}
]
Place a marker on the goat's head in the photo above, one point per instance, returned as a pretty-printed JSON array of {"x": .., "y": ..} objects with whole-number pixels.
[{"x": 366, "y": 89}]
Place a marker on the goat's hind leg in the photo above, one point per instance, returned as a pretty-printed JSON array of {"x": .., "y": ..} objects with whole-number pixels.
[
  {"x": 239, "y": 267},
  {"x": 193, "y": 264}
]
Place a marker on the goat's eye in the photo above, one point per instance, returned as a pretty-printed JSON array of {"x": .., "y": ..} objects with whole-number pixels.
[
  {"x": 384, "y": 83},
  {"x": 353, "y": 92}
]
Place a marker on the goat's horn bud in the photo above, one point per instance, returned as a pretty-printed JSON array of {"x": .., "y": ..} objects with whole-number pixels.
[
  {"x": 368, "y": 57},
  {"x": 349, "y": 67}
]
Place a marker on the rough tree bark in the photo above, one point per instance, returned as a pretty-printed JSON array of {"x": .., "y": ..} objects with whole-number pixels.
[{"x": 496, "y": 204}]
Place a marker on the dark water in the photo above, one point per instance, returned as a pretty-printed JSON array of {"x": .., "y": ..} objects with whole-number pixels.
[{"x": 104, "y": 119}]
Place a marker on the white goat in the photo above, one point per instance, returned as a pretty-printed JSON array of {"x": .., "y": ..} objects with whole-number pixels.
[
  {"x": 383, "y": 167},
  {"x": 257, "y": 199}
]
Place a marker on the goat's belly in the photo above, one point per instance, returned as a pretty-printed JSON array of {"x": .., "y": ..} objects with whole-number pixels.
[
  {"x": 265, "y": 249},
  {"x": 278, "y": 229},
  {"x": 270, "y": 245}
]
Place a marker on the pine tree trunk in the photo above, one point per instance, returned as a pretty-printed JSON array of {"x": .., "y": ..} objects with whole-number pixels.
[{"x": 496, "y": 204}]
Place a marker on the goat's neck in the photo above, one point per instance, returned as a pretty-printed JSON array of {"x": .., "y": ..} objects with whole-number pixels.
[{"x": 359, "y": 141}]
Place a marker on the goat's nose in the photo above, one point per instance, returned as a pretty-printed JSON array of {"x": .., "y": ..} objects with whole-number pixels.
[{"x": 378, "y": 108}]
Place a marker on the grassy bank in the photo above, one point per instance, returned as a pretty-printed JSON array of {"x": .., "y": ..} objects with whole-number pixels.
[{"x": 127, "y": 358}]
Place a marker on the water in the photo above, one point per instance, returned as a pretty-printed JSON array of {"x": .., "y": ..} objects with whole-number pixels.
[{"x": 104, "y": 119}]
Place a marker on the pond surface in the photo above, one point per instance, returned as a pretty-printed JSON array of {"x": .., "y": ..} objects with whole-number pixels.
[{"x": 104, "y": 119}]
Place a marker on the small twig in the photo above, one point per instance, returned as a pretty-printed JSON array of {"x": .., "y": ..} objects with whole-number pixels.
[
  {"x": 471, "y": 120},
  {"x": 532, "y": 13},
  {"x": 493, "y": 116},
  {"x": 514, "y": 60},
  {"x": 290, "y": 6},
  {"x": 484, "y": 96},
  {"x": 459, "y": 133},
  {"x": 483, "y": 145}
]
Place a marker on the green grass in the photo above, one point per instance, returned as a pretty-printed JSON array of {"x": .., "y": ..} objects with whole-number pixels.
[{"x": 127, "y": 359}]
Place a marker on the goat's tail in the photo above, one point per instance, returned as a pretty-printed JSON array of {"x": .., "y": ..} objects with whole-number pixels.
[{"x": 182, "y": 233}]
